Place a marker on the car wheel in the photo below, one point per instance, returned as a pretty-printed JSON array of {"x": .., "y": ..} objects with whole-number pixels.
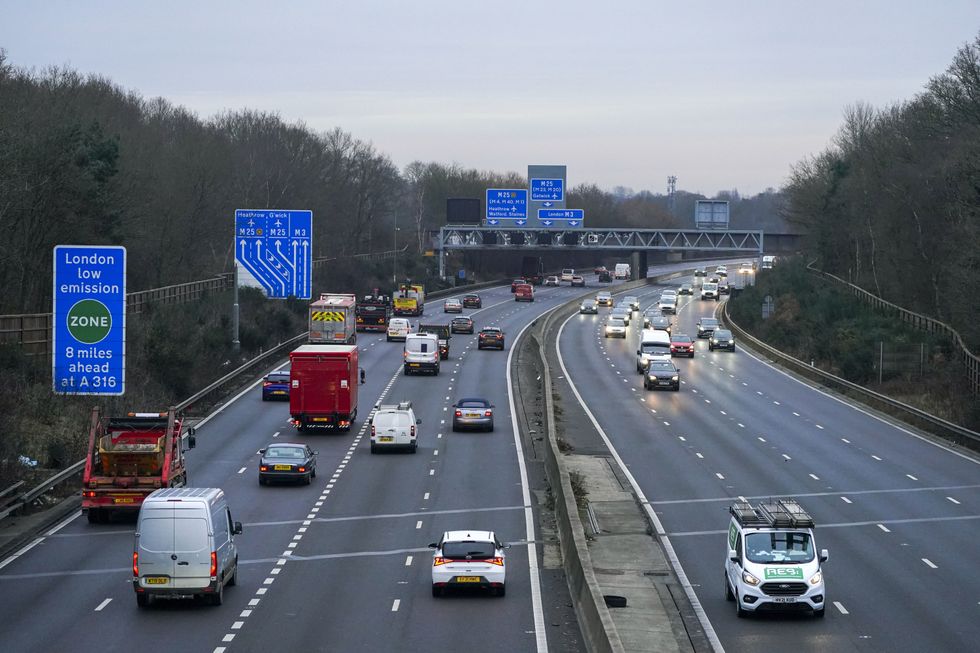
[
  {"x": 313, "y": 473},
  {"x": 490, "y": 428},
  {"x": 677, "y": 388},
  {"x": 740, "y": 612},
  {"x": 388, "y": 338},
  {"x": 646, "y": 386},
  {"x": 502, "y": 590},
  {"x": 374, "y": 448},
  {"x": 455, "y": 427},
  {"x": 819, "y": 613},
  {"x": 308, "y": 479},
  {"x": 415, "y": 446},
  {"x": 264, "y": 398},
  {"x": 143, "y": 600},
  {"x": 234, "y": 575},
  {"x": 436, "y": 591},
  {"x": 218, "y": 597},
  {"x": 262, "y": 481},
  {"x": 728, "y": 590}
]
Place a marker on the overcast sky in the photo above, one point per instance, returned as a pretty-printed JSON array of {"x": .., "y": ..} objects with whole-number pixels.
[{"x": 723, "y": 95}]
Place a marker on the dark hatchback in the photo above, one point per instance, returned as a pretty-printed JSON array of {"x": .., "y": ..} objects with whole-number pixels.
[
  {"x": 286, "y": 461},
  {"x": 472, "y": 301},
  {"x": 461, "y": 325},
  {"x": 275, "y": 385},
  {"x": 490, "y": 337}
]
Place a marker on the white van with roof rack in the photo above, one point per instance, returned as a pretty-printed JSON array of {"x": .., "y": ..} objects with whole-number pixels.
[{"x": 772, "y": 563}]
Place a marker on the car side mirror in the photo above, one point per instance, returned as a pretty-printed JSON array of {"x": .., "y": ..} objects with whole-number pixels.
[
  {"x": 824, "y": 555},
  {"x": 434, "y": 545},
  {"x": 238, "y": 528},
  {"x": 638, "y": 352},
  {"x": 191, "y": 441},
  {"x": 262, "y": 451},
  {"x": 733, "y": 556},
  {"x": 418, "y": 421}
]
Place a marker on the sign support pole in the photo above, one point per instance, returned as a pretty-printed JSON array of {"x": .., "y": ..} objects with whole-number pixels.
[{"x": 235, "y": 344}]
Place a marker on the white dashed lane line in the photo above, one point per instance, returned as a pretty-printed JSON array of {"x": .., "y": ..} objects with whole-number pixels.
[
  {"x": 102, "y": 605},
  {"x": 840, "y": 607},
  {"x": 930, "y": 563},
  {"x": 953, "y": 500},
  {"x": 884, "y": 528},
  {"x": 846, "y": 500}
]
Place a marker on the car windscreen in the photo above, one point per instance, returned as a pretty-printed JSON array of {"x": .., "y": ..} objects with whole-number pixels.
[
  {"x": 468, "y": 550},
  {"x": 681, "y": 338},
  {"x": 779, "y": 547},
  {"x": 296, "y": 453},
  {"x": 722, "y": 333},
  {"x": 278, "y": 377},
  {"x": 710, "y": 286},
  {"x": 662, "y": 367},
  {"x": 709, "y": 321},
  {"x": 616, "y": 321}
]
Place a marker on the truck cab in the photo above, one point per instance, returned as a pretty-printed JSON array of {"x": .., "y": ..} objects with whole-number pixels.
[{"x": 772, "y": 562}]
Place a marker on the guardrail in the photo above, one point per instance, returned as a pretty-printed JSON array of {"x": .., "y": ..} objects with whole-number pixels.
[
  {"x": 969, "y": 360},
  {"x": 910, "y": 414}
]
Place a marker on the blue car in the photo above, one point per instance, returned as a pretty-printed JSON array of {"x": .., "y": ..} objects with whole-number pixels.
[{"x": 275, "y": 385}]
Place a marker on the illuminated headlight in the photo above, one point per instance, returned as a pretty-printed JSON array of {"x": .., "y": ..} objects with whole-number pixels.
[
  {"x": 714, "y": 340},
  {"x": 816, "y": 579},
  {"x": 749, "y": 579},
  {"x": 674, "y": 378}
]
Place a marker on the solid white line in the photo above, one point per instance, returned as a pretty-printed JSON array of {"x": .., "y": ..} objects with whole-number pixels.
[
  {"x": 709, "y": 631},
  {"x": 540, "y": 634},
  {"x": 395, "y": 604},
  {"x": 839, "y": 606},
  {"x": 102, "y": 605},
  {"x": 930, "y": 563}
]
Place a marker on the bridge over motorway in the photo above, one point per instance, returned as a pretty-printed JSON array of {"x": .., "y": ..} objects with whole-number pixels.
[{"x": 637, "y": 242}]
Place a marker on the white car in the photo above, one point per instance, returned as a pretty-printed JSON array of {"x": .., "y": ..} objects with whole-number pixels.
[
  {"x": 631, "y": 301},
  {"x": 398, "y": 328},
  {"x": 669, "y": 291},
  {"x": 624, "y": 312},
  {"x": 667, "y": 304},
  {"x": 615, "y": 327},
  {"x": 604, "y": 299},
  {"x": 452, "y": 306},
  {"x": 551, "y": 281},
  {"x": 567, "y": 274},
  {"x": 394, "y": 426},
  {"x": 469, "y": 559}
]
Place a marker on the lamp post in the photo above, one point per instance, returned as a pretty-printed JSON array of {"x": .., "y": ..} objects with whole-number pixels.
[{"x": 394, "y": 256}]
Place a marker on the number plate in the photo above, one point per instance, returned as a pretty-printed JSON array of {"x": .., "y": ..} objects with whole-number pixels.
[
  {"x": 784, "y": 599},
  {"x": 467, "y": 579},
  {"x": 665, "y": 382},
  {"x": 321, "y": 419},
  {"x": 413, "y": 364},
  {"x": 278, "y": 392},
  {"x": 156, "y": 580},
  {"x": 124, "y": 500},
  {"x": 472, "y": 414},
  {"x": 386, "y": 438},
  {"x": 282, "y": 468}
]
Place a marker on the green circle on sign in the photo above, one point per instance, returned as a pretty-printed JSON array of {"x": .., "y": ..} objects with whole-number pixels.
[{"x": 89, "y": 321}]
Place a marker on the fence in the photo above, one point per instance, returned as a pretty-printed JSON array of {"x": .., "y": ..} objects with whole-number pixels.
[
  {"x": 33, "y": 331},
  {"x": 969, "y": 360}
]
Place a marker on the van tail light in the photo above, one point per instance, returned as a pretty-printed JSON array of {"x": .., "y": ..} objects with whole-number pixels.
[
  {"x": 436, "y": 561},
  {"x": 405, "y": 354},
  {"x": 413, "y": 432},
  {"x": 266, "y": 384},
  {"x": 459, "y": 413},
  {"x": 489, "y": 413},
  {"x": 88, "y": 494},
  {"x": 136, "y": 564},
  {"x": 214, "y": 565}
]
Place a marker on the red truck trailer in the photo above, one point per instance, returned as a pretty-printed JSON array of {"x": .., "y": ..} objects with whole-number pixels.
[
  {"x": 130, "y": 457},
  {"x": 323, "y": 392}
]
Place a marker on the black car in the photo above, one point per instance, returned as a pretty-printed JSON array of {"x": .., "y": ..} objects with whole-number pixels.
[
  {"x": 287, "y": 461},
  {"x": 473, "y": 413},
  {"x": 721, "y": 339},
  {"x": 605, "y": 277},
  {"x": 275, "y": 385},
  {"x": 661, "y": 374},
  {"x": 706, "y": 326},
  {"x": 472, "y": 301},
  {"x": 461, "y": 325},
  {"x": 490, "y": 337}
]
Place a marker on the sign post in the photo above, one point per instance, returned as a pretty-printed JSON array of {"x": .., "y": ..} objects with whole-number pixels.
[{"x": 89, "y": 320}]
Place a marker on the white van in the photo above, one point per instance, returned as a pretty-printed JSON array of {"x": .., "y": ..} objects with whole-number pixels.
[
  {"x": 772, "y": 562},
  {"x": 394, "y": 426},
  {"x": 184, "y": 546},
  {"x": 421, "y": 353},
  {"x": 398, "y": 328},
  {"x": 709, "y": 290},
  {"x": 622, "y": 271},
  {"x": 567, "y": 274},
  {"x": 654, "y": 345}
]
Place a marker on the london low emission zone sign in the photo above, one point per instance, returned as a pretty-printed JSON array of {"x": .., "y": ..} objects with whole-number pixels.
[{"x": 89, "y": 320}]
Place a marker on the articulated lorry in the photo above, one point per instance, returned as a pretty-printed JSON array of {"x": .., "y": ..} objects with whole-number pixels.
[
  {"x": 409, "y": 300},
  {"x": 323, "y": 387},
  {"x": 128, "y": 458},
  {"x": 332, "y": 319}
]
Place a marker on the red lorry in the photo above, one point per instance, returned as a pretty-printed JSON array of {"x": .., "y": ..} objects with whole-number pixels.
[
  {"x": 323, "y": 387},
  {"x": 130, "y": 457}
]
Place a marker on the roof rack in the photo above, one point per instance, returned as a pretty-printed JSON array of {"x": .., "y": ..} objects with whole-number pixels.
[
  {"x": 776, "y": 513},
  {"x": 401, "y": 405}
]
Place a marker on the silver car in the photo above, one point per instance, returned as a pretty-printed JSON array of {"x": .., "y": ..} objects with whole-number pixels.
[{"x": 473, "y": 413}]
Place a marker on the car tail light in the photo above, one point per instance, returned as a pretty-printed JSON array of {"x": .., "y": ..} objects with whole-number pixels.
[
  {"x": 88, "y": 494},
  {"x": 488, "y": 413},
  {"x": 214, "y": 565},
  {"x": 372, "y": 431},
  {"x": 412, "y": 432},
  {"x": 495, "y": 561},
  {"x": 438, "y": 560},
  {"x": 302, "y": 469},
  {"x": 136, "y": 564},
  {"x": 459, "y": 413},
  {"x": 266, "y": 384},
  {"x": 263, "y": 468}
]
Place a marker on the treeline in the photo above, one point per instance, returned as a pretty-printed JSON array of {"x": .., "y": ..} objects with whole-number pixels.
[{"x": 893, "y": 204}]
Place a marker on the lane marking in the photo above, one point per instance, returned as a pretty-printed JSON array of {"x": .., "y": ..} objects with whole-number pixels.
[
  {"x": 953, "y": 500},
  {"x": 840, "y": 607},
  {"x": 242, "y": 470},
  {"x": 884, "y": 528},
  {"x": 395, "y": 604},
  {"x": 876, "y": 457},
  {"x": 930, "y": 563},
  {"x": 720, "y": 477},
  {"x": 912, "y": 477},
  {"x": 102, "y": 605},
  {"x": 408, "y": 561},
  {"x": 814, "y": 477},
  {"x": 846, "y": 500}
]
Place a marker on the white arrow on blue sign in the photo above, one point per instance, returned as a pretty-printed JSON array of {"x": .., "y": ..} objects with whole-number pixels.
[
  {"x": 89, "y": 313},
  {"x": 506, "y": 204},
  {"x": 276, "y": 248}
]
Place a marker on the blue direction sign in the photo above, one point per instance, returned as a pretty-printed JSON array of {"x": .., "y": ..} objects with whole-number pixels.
[
  {"x": 503, "y": 204},
  {"x": 89, "y": 313},
  {"x": 548, "y": 190},
  {"x": 561, "y": 214},
  {"x": 276, "y": 248}
]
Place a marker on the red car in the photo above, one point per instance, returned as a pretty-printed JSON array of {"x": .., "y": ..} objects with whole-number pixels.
[
  {"x": 517, "y": 282},
  {"x": 601, "y": 269},
  {"x": 681, "y": 344},
  {"x": 524, "y": 292}
]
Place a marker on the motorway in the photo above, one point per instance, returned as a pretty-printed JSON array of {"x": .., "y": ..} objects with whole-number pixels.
[
  {"x": 342, "y": 564},
  {"x": 898, "y": 512}
]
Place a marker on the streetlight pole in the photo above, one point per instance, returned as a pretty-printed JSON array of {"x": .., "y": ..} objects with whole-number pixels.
[{"x": 394, "y": 255}]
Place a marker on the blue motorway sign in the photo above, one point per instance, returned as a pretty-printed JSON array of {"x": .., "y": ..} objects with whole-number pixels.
[
  {"x": 548, "y": 190},
  {"x": 89, "y": 320},
  {"x": 506, "y": 205},
  {"x": 276, "y": 248},
  {"x": 566, "y": 217}
]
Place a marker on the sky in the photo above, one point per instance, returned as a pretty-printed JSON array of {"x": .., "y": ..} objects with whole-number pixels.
[{"x": 723, "y": 95}]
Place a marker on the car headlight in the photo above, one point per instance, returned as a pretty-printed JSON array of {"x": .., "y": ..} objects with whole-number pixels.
[
  {"x": 674, "y": 378},
  {"x": 816, "y": 579},
  {"x": 714, "y": 340},
  {"x": 749, "y": 579}
]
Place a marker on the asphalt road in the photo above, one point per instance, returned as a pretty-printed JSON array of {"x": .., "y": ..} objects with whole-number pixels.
[
  {"x": 898, "y": 513},
  {"x": 342, "y": 564}
]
